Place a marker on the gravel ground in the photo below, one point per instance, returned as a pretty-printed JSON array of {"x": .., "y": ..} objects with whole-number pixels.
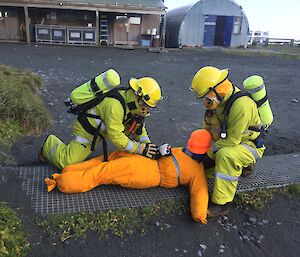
[{"x": 272, "y": 232}]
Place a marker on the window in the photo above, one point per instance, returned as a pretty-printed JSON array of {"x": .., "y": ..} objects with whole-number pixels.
[{"x": 237, "y": 25}]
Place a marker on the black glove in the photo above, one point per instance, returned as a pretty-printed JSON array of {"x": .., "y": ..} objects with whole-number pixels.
[
  {"x": 149, "y": 150},
  {"x": 208, "y": 162}
]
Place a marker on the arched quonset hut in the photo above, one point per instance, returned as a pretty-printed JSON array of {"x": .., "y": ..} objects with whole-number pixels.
[{"x": 207, "y": 23}]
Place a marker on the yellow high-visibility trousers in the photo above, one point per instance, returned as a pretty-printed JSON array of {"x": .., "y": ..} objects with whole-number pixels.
[
  {"x": 229, "y": 165},
  {"x": 61, "y": 155}
]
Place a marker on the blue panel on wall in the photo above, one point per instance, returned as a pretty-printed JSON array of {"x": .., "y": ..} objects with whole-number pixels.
[
  {"x": 209, "y": 30},
  {"x": 228, "y": 30}
]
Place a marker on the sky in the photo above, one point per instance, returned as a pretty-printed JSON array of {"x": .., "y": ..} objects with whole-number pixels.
[{"x": 281, "y": 18}]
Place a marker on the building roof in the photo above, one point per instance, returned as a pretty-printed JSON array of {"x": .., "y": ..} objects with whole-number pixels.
[
  {"x": 131, "y": 3},
  {"x": 141, "y": 3}
]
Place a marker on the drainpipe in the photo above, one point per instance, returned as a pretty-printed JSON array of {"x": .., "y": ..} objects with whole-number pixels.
[
  {"x": 97, "y": 28},
  {"x": 163, "y": 31},
  {"x": 27, "y": 24}
]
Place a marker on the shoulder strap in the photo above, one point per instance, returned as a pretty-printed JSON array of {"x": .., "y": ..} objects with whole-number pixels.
[
  {"x": 232, "y": 99},
  {"x": 229, "y": 103},
  {"x": 83, "y": 115}
]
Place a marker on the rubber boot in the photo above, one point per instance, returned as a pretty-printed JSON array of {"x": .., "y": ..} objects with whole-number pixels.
[
  {"x": 247, "y": 170},
  {"x": 215, "y": 210}
]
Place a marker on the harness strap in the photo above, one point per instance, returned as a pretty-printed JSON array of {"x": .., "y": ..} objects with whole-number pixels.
[
  {"x": 88, "y": 127},
  {"x": 95, "y": 88},
  {"x": 227, "y": 108},
  {"x": 177, "y": 167},
  {"x": 262, "y": 101},
  {"x": 97, "y": 133}
]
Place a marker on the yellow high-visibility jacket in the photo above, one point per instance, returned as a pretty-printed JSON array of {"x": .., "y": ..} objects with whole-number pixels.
[
  {"x": 113, "y": 128},
  {"x": 135, "y": 171},
  {"x": 243, "y": 113}
]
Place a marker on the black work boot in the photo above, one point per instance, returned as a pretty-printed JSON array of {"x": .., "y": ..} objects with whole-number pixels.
[
  {"x": 248, "y": 170},
  {"x": 215, "y": 210},
  {"x": 41, "y": 157}
]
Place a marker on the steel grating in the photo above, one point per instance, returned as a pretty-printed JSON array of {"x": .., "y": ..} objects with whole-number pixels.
[{"x": 271, "y": 171}]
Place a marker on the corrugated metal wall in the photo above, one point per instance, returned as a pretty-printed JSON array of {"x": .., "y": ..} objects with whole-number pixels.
[{"x": 191, "y": 29}]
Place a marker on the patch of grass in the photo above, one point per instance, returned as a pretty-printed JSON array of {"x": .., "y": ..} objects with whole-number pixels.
[
  {"x": 256, "y": 199},
  {"x": 9, "y": 131},
  {"x": 13, "y": 240},
  {"x": 294, "y": 189},
  {"x": 115, "y": 222},
  {"x": 261, "y": 53},
  {"x": 259, "y": 198},
  {"x": 19, "y": 101}
]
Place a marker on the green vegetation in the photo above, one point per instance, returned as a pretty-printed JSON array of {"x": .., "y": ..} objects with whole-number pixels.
[
  {"x": 20, "y": 106},
  {"x": 259, "y": 198},
  {"x": 13, "y": 242},
  {"x": 117, "y": 222},
  {"x": 22, "y": 111},
  {"x": 265, "y": 52},
  {"x": 9, "y": 131},
  {"x": 294, "y": 189},
  {"x": 256, "y": 199}
]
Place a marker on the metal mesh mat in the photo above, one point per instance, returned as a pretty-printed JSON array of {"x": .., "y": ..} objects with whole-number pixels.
[{"x": 271, "y": 171}]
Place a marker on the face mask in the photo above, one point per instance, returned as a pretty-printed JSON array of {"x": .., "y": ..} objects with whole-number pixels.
[
  {"x": 210, "y": 102},
  {"x": 143, "y": 108}
]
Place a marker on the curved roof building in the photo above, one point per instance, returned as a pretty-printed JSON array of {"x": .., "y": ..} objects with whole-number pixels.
[{"x": 207, "y": 23}]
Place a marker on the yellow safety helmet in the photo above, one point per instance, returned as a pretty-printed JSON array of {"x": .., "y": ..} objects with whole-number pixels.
[
  {"x": 206, "y": 79},
  {"x": 148, "y": 89}
]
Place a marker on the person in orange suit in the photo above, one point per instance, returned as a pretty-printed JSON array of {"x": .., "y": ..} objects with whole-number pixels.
[{"x": 181, "y": 166}]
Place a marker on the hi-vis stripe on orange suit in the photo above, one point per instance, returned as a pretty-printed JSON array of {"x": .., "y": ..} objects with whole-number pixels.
[{"x": 135, "y": 171}]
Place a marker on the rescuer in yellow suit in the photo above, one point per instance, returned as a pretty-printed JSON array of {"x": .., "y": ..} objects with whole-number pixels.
[
  {"x": 121, "y": 124},
  {"x": 235, "y": 146},
  {"x": 182, "y": 166}
]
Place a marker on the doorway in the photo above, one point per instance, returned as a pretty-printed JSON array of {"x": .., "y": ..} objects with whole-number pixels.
[
  {"x": 218, "y": 30},
  {"x": 223, "y": 31}
]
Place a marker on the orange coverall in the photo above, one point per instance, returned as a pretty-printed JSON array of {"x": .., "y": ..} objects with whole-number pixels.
[{"x": 136, "y": 171}]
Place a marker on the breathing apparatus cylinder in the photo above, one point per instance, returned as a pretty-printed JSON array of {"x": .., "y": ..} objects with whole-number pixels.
[
  {"x": 102, "y": 83},
  {"x": 256, "y": 87}
]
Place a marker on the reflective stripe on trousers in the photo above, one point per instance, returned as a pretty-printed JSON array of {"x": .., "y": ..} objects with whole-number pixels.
[
  {"x": 53, "y": 150},
  {"x": 252, "y": 150},
  {"x": 226, "y": 177}
]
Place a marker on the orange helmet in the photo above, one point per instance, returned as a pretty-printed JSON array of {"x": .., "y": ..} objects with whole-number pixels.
[{"x": 199, "y": 141}]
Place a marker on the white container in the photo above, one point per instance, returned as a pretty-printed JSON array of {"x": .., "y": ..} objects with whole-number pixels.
[
  {"x": 148, "y": 31},
  {"x": 153, "y": 31}
]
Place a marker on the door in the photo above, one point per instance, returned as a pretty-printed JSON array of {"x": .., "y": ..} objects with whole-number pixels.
[
  {"x": 134, "y": 34},
  {"x": 209, "y": 30},
  {"x": 223, "y": 32},
  {"x": 228, "y": 30},
  {"x": 121, "y": 31},
  {"x": 9, "y": 29}
]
